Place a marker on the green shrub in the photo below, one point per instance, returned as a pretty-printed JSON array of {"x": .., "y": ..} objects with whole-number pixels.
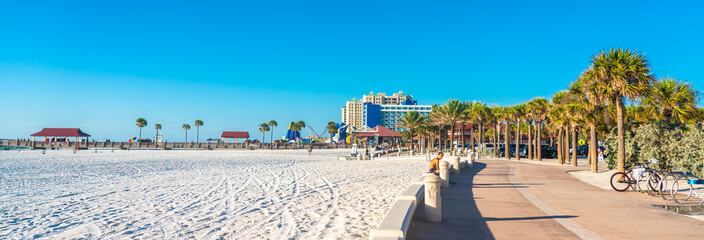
[{"x": 671, "y": 146}]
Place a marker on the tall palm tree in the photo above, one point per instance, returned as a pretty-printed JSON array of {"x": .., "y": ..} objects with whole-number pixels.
[
  {"x": 558, "y": 120},
  {"x": 507, "y": 116},
  {"x": 198, "y": 123},
  {"x": 450, "y": 114},
  {"x": 538, "y": 114},
  {"x": 588, "y": 105},
  {"x": 478, "y": 112},
  {"x": 530, "y": 119},
  {"x": 671, "y": 100},
  {"x": 186, "y": 127},
  {"x": 412, "y": 121},
  {"x": 263, "y": 128},
  {"x": 518, "y": 114},
  {"x": 141, "y": 122},
  {"x": 621, "y": 74},
  {"x": 157, "y": 127},
  {"x": 498, "y": 119},
  {"x": 272, "y": 124}
]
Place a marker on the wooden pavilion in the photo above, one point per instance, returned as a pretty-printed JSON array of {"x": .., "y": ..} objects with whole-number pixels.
[
  {"x": 61, "y": 132},
  {"x": 235, "y": 135}
]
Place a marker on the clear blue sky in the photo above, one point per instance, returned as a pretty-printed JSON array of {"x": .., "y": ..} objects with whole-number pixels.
[{"x": 99, "y": 65}]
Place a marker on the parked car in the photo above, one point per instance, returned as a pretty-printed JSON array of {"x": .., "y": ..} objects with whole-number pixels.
[
  {"x": 547, "y": 152},
  {"x": 512, "y": 150}
]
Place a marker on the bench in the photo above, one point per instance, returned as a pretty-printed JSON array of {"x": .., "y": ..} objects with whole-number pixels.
[{"x": 397, "y": 221}]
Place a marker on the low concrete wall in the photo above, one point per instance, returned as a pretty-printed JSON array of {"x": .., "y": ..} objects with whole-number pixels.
[
  {"x": 397, "y": 221},
  {"x": 402, "y": 158}
]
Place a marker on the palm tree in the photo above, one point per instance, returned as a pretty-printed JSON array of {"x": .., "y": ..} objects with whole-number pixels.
[
  {"x": 507, "y": 115},
  {"x": 157, "y": 127},
  {"x": 186, "y": 127},
  {"x": 498, "y": 119},
  {"x": 540, "y": 114},
  {"x": 559, "y": 121},
  {"x": 331, "y": 127},
  {"x": 621, "y": 74},
  {"x": 412, "y": 121},
  {"x": 198, "y": 123},
  {"x": 588, "y": 105},
  {"x": 141, "y": 122},
  {"x": 518, "y": 114},
  {"x": 530, "y": 119},
  {"x": 263, "y": 128},
  {"x": 272, "y": 124},
  {"x": 451, "y": 113},
  {"x": 671, "y": 100},
  {"x": 478, "y": 112}
]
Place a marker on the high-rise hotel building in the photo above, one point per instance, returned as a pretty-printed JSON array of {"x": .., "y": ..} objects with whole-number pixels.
[{"x": 378, "y": 109}]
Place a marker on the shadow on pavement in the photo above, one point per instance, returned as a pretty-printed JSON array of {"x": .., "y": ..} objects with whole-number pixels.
[{"x": 461, "y": 217}]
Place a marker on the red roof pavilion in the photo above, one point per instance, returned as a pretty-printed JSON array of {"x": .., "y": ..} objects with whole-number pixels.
[
  {"x": 230, "y": 134},
  {"x": 60, "y": 132},
  {"x": 235, "y": 135},
  {"x": 380, "y": 130}
]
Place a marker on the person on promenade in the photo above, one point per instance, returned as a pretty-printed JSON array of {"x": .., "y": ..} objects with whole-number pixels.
[
  {"x": 310, "y": 148},
  {"x": 435, "y": 164}
]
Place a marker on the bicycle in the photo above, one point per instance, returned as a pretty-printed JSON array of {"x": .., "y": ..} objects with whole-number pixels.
[{"x": 633, "y": 178}]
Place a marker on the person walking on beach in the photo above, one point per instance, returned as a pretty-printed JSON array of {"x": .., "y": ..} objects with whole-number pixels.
[
  {"x": 435, "y": 164},
  {"x": 310, "y": 148}
]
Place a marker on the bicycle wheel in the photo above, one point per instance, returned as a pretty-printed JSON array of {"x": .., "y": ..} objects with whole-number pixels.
[
  {"x": 653, "y": 181},
  {"x": 620, "y": 181},
  {"x": 681, "y": 190}
]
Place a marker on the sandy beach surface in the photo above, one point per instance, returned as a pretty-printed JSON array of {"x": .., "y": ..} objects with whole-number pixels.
[{"x": 226, "y": 194}]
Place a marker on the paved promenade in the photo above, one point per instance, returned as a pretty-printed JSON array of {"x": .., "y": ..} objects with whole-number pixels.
[{"x": 499, "y": 199}]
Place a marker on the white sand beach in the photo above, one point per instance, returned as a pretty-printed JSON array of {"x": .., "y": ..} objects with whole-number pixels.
[{"x": 196, "y": 194}]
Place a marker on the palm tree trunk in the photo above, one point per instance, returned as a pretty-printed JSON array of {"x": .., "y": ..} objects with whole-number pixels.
[
  {"x": 518, "y": 139},
  {"x": 271, "y": 136},
  {"x": 498, "y": 139},
  {"x": 481, "y": 137},
  {"x": 197, "y": 133},
  {"x": 472, "y": 137},
  {"x": 507, "y": 136},
  {"x": 186, "y": 137},
  {"x": 566, "y": 145},
  {"x": 452, "y": 138},
  {"x": 538, "y": 141},
  {"x": 462, "y": 137},
  {"x": 411, "y": 130},
  {"x": 574, "y": 146},
  {"x": 560, "y": 149},
  {"x": 592, "y": 148},
  {"x": 530, "y": 141},
  {"x": 621, "y": 139}
]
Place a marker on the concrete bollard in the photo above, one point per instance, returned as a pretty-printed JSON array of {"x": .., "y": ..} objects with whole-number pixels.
[
  {"x": 410, "y": 153},
  {"x": 433, "y": 203},
  {"x": 456, "y": 166},
  {"x": 359, "y": 157},
  {"x": 444, "y": 176}
]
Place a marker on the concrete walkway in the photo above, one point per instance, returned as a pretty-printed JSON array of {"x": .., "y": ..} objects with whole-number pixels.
[{"x": 500, "y": 199}]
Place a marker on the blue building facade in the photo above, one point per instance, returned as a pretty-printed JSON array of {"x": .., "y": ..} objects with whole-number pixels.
[{"x": 372, "y": 115}]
